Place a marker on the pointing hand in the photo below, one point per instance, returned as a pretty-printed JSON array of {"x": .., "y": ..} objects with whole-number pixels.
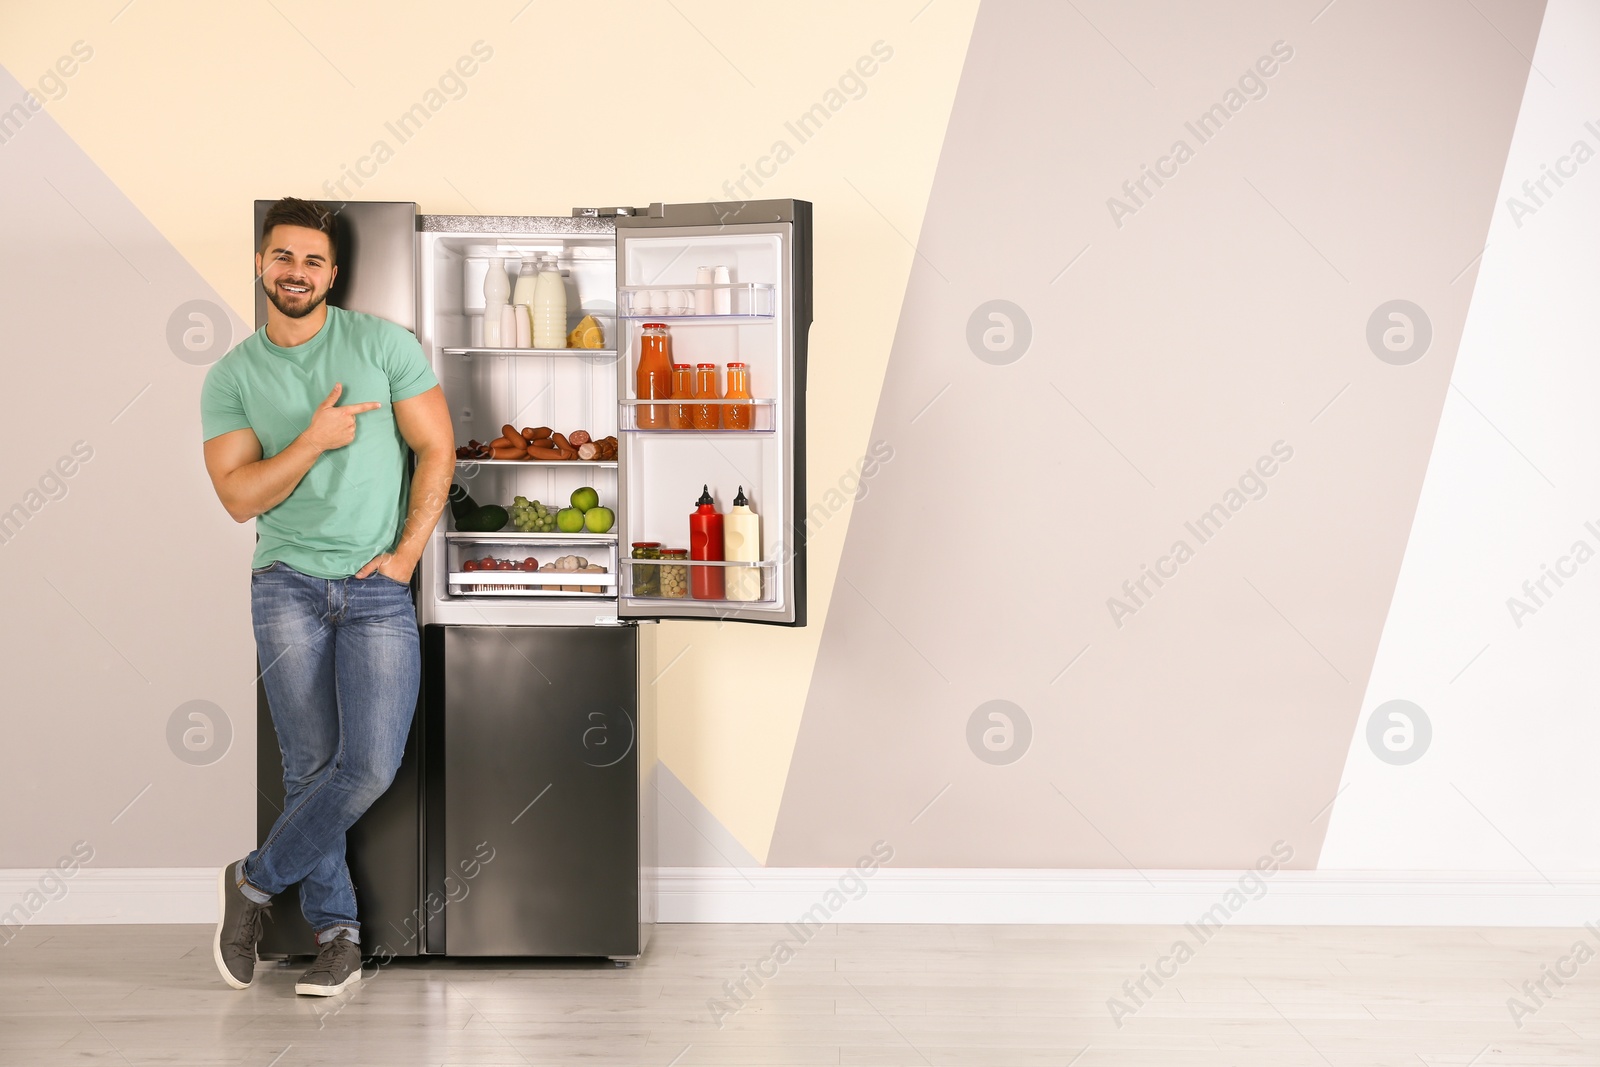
[{"x": 334, "y": 427}]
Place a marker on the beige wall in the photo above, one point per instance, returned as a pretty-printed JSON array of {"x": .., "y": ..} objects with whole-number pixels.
[
  {"x": 1174, "y": 345},
  {"x": 184, "y": 114}
]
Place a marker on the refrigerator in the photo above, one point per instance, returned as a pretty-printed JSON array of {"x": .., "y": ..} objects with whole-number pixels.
[{"x": 522, "y": 822}]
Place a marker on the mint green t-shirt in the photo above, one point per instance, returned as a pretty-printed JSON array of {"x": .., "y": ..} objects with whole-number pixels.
[{"x": 351, "y": 504}]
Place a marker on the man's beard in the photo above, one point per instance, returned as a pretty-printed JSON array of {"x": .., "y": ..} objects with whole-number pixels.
[{"x": 312, "y": 300}]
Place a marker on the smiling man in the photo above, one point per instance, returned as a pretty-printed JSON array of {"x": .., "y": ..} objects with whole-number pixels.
[{"x": 306, "y": 423}]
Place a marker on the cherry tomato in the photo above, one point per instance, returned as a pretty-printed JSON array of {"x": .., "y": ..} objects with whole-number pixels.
[
  {"x": 470, "y": 565},
  {"x": 530, "y": 564}
]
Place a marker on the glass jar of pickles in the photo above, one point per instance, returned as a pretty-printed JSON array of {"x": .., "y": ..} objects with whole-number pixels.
[
  {"x": 675, "y": 572},
  {"x": 647, "y": 576}
]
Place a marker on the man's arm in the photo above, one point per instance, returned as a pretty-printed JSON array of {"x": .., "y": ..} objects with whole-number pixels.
[
  {"x": 424, "y": 421},
  {"x": 248, "y": 485}
]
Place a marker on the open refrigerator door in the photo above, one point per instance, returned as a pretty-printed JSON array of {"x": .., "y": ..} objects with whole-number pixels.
[{"x": 711, "y": 487}]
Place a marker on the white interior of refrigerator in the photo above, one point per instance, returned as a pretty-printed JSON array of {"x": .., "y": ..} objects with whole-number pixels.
[{"x": 515, "y": 576}]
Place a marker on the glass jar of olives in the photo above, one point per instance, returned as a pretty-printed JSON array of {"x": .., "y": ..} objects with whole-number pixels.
[
  {"x": 647, "y": 576},
  {"x": 675, "y": 572}
]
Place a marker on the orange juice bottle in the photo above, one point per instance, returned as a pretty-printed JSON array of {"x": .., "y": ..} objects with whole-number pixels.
[
  {"x": 706, "y": 416},
  {"x": 737, "y": 416},
  {"x": 654, "y": 377},
  {"x": 679, "y": 416}
]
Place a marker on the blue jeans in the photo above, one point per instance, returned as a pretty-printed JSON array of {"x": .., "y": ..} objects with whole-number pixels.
[{"x": 341, "y": 661}]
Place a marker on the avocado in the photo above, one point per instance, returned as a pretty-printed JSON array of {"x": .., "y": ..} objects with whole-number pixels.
[
  {"x": 490, "y": 518},
  {"x": 461, "y": 502}
]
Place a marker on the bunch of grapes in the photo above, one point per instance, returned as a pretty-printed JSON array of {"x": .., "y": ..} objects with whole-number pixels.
[{"x": 530, "y": 516}]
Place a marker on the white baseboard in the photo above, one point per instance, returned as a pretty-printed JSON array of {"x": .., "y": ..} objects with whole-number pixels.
[
  {"x": 1285, "y": 898},
  {"x": 893, "y": 895},
  {"x": 108, "y": 895}
]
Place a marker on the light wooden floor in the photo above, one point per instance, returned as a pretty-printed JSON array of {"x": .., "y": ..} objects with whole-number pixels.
[{"x": 855, "y": 994}]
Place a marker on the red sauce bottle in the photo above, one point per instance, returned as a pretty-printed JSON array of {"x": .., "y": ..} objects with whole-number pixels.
[{"x": 705, "y": 542}]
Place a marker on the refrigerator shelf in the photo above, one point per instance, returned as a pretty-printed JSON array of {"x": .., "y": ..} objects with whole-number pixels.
[
  {"x": 543, "y": 538},
  {"x": 529, "y": 591},
  {"x": 611, "y": 463},
  {"x": 523, "y": 580},
  {"x": 745, "y": 300},
  {"x": 606, "y": 354}
]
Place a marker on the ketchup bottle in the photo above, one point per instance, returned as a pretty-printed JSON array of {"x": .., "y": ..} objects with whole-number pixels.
[{"x": 705, "y": 542}]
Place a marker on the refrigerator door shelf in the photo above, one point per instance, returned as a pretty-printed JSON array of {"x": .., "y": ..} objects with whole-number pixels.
[
  {"x": 767, "y": 569},
  {"x": 765, "y": 564},
  {"x": 745, "y": 300},
  {"x": 763, "y": 415}
]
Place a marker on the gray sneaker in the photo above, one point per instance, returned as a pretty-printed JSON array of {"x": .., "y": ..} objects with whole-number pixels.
[
  {"x": 338, "y": 967},
  {"x": 238, "y": 931}
]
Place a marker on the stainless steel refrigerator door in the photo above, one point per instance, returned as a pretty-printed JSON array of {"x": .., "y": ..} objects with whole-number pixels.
[
  {"x": 542, "y": 852},
  {"x": 377, "y": 259},
  {"x": 790, "y": 220}
]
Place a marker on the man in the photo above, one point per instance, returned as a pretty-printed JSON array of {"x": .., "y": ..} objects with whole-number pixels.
[{"x": 306, "y": 426}]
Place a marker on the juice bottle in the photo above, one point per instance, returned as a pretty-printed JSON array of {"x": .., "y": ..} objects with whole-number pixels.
[
  {"x": 679, "y": 416},
  {"x": 706, "y": 416},
  {"x": 550, "y": 308},
  {"x": 741, "y": 540},
  {"x": 737, "y": 416},
  {"x": 705, "y": 542},
  {"x": 653, "y": 380}
]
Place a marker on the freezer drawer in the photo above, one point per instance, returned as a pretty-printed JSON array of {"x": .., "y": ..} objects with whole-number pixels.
[{"x": 541, "y": 851}]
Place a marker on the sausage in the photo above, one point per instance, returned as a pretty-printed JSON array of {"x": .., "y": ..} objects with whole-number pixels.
[
  {"x": 546, "y": 454},
  {"x": 508, "y": 452},
  {"x": 588, "y": 450},
  {"x": 510, "y": 433},
  {"x": 565, "y": 446},
  {"x": 533, "y": 433},
  {"x": 579, "y": 438}
]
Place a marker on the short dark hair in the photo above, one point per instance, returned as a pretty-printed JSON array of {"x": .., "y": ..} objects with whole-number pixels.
[{"x": 292, "y": 211}]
